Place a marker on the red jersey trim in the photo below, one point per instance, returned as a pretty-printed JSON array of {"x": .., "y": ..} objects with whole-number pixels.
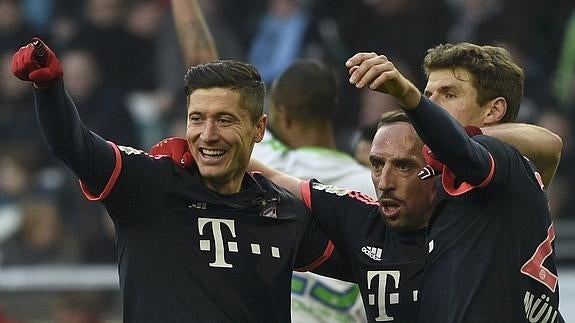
[
  {"x": 305, "y": 193},
  {"x": 111, "y": 181},
  {"x": 321, "y": 259},
  {"x": 448, "y": 181}
]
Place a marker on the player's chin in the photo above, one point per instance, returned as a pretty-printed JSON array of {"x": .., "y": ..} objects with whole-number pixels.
[
  {"x": 396, "y": 223},
  {"x": 211, "y": 171}
]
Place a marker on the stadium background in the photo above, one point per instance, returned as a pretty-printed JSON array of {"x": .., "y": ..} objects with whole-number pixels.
[{"x": 123, "y": 68}]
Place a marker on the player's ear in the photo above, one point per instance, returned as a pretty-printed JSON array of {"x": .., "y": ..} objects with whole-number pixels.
[
  {"x": 496, "y": 112},
  {"x": 261, "y": 128}
]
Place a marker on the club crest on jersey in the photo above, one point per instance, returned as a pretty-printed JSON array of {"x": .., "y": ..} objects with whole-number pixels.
[
  {"x": 372, "y": 252},
  {"x": 269, "y": 209},
  {"x": 330, "y": 189}
]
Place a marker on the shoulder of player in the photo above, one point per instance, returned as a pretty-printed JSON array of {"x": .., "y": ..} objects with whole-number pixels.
[
  {"x": 270, "y": 187},
  {"x": 134, "y": 156},
  {"x": 504, "y": 153},
  {"x": 342, "y": 194}
]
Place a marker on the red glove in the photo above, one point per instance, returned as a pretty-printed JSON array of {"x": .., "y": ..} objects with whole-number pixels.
[
  {"x": 37, "y": 63},
  {"x": 434, "y": 166},
  {"x": 175, "y": 147}
]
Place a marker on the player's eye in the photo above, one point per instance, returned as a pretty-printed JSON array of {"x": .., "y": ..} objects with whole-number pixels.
[
  {"x": 376, "y": 166},
  {"x": 225, "y": 121},
  {"x": 194, "y": 119},
  {"x": 403, "y": 165}
]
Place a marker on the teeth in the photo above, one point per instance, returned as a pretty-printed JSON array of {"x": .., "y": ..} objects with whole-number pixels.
[
  {"x": 213, "y": 152},
  {"x": 390, "y": 207}
]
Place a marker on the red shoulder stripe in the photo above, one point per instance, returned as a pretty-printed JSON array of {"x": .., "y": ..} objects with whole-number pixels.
[
  {"x": 305, "y": 193},
  {"x": 111, "y": 181}
]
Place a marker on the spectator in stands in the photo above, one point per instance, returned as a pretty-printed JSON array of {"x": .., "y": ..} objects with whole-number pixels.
[
  {"x": 101, "y": 105},
  {"x": 42, "y": 238},
  {"x": 80, "y": 307},
  {"x": 279, "y": 39}
]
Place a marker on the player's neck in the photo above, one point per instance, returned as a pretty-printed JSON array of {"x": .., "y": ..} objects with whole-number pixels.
[{"x": 305, "y": 136}]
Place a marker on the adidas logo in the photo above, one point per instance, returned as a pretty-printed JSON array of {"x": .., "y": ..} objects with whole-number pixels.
[{"x": 372, "y": 252}]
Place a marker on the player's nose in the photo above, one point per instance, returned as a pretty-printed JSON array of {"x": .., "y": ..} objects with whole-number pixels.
[
  {"x": 209, "y": 132},
  {"x": 386, "y": 179}
]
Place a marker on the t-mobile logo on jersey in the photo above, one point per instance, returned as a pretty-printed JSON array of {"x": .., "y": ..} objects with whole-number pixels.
[
  {"x": 384, "y": 294},
  {"x": 219, "y": 226}
]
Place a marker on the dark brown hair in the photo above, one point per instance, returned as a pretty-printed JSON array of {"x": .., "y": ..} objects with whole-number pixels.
[
  {"x": 229, "y": 74},
  {"x": 307, "y": 90},
  {"x": 494, "y": 72}
]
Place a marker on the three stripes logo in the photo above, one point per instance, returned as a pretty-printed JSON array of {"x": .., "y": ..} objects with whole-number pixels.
[{"x": 372, "y": 252}]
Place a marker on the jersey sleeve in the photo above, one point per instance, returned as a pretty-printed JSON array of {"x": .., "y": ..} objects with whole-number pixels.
[
  {"x": 508, "y": 162},
  {"x": 469, "y": 161},
  {"x": 124, "y": 179},
  {"x": 89, "y": 156},
  {"x": 337, "y": 266},
  {"x": 340, "y": 212},
  {"x": 315, "y": 247},
  {"x": 139, "y": 184}
]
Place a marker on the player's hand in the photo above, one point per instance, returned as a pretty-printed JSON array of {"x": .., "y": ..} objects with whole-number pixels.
[
  {"x": 175, "y": 147},
  {"x": 36, "y": 62},
  {"x": 379, "y": 74},
  {"x": 434, "y": 166}
]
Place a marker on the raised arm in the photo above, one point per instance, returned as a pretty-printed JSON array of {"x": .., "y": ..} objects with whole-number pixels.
[
  {"x": 194, "y": 36},
  {"x": 540, "y": 145},
  {"x": 441, "y": 132},
  {"x": 281, "y": 179},
  {"x": 87, "y": 154}
]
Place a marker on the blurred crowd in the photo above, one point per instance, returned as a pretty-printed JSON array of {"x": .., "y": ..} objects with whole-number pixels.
[{"x": 123, "y": 68}]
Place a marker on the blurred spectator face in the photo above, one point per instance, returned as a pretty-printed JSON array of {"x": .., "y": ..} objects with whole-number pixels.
[
  {"x": 79, "y": 307},
  {"x": 13, "y": 177},
  {"x": 104, "y": 13},
  {"x": 388, "y": 7},
  {"x": 283, "y": 8},
  {"x": 144, "y": 19},
  {"x": 81, "y": 73},
  {"x": 10, "y": 15},
  {"x": 42, "y": 226},
  {"x": 557, "y": 123},
  {"x": 11, "y": 88}
]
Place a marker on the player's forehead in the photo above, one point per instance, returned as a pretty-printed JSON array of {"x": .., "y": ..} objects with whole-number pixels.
[
  {"x": 215, "y": 101},
  {"x": 396, "y": 140},
  {"x": 447, "y": 78}
]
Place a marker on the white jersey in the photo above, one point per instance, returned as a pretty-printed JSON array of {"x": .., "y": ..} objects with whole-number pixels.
[
  {"x": 326, "y": 165},
  {"x": 318, "y": 299}
]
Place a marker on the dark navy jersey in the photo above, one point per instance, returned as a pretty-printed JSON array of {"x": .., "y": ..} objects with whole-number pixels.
[
  {"x": 491, "y": 250},
  {"x": 387, "y": 265},
  {"x": 186, "y": 253},
  {"x": 491, "y": 240}
]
